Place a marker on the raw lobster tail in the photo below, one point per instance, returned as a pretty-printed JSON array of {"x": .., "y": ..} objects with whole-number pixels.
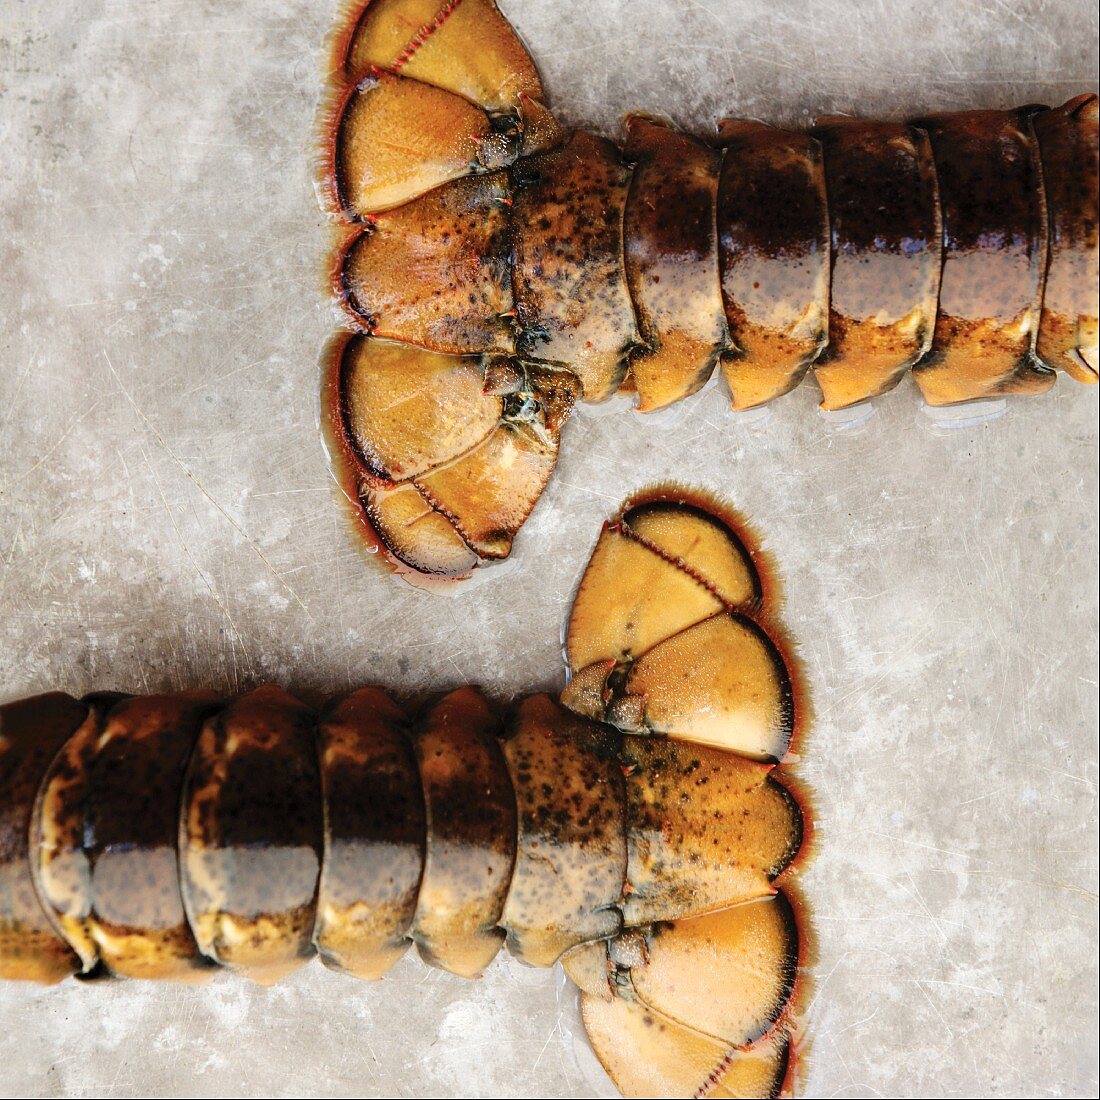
[
  {"x": 497, "y": 268},
  {"x": 634, "y": 829}
]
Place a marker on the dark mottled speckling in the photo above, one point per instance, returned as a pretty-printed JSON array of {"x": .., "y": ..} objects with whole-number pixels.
[
  {"x": 705, "y": 829},
  {"x": 436, "y": 272},
  {"x": 571, "y": 862},
  {"x": 569, "y": 280}
]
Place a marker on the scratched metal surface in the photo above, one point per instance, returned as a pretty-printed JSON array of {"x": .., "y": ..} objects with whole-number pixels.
[{"x": 168, "y": 520}]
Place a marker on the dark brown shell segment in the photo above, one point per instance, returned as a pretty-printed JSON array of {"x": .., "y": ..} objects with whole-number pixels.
[
  {"x": 471, "y": 834},
  {"x": 251, "y": 835},
  {"x": 31, "y": 733},
  {"x": 671, "y": 252},
  {"x": 107, "y": 827},
  {"x": 995, "y": 254},
  {"x": 1068, "y": 149},
  {"x": 374, "y": 834},
  {"x": 773, "y": 232},
  {"x": 887, "y": 252}
]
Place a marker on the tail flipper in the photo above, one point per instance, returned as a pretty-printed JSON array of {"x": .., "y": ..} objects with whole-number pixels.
[
  {"x": 463, "y": 46},
  {"x": 647, "y": 1054},
  {"x": 665, "y": 633},
  {"x": 443, "y": 456},
  {"x": 696, "y": 1007},
  {"x": 673, "y": 640}
]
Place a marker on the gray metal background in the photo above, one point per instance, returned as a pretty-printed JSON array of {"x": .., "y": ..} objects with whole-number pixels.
[{"x": 167, "y": 520}]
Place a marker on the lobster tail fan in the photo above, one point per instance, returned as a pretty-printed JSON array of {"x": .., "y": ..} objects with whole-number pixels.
[
  {"x": 699, "y": 1007},
  {"x": 671, "y": 641},
  {"x": 441, "y": 441},
  {"x": 462, "y": 46},
  {"x": 647, "y": 1054}
]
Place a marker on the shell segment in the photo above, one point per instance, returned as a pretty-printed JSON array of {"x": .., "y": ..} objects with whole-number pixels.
[
  {"x": 647, "y": 1054},
  {"x": 463, "y": 46},
  {"x": 435, "y": 272},
  {"x": 407, "y": 411},
  {"x": 488, "y": 493},
  {"x": 251, "y": 836},
  {"x": 671, "y": 251},
  {"x": 31, "y": 733},
  {"x": 690, "y": 965},
  {"x": 995, "y": 254},
  {"x": 572, "y": 299},
  {"x": 1068, "y": 327},
  {"x": 399, "y": 138},
  {"x": 706, "y": 829},
  {"x": 614, "y": 615},
  {"x": 571, "y": 861},
  {"x": 106, "y": 832},
  {"x": 374, "y": 834},
  {"x": 773, "y": 232},
  {"x": 471, "y": 834},
  {"x": 887, "y": 251}
]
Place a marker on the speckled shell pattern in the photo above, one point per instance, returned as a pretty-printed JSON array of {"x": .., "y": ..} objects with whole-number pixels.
[
  {"x": 856, "y": 252},
  {"x": 160, "y": 837}
]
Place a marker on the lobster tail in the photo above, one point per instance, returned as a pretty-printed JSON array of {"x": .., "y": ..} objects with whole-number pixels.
[
  {"x": 961, "y": 248},
  {"x": 637, "y": 828}
]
